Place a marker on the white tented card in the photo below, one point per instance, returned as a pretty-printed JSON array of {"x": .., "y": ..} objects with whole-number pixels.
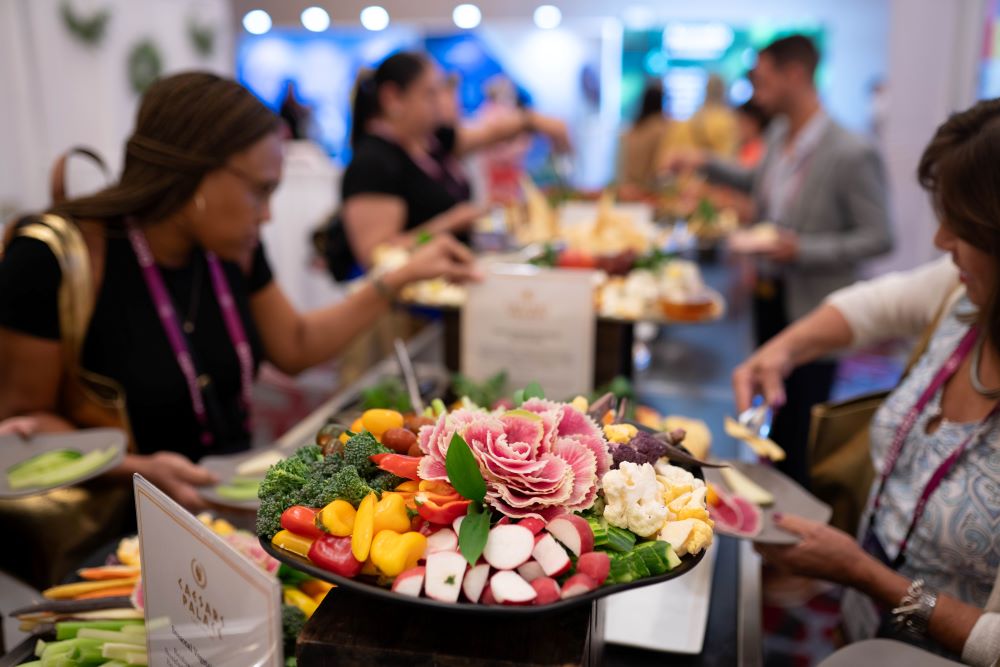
[
  {"x": 537, "y": 325},
  {"x": 205, "y": 604}
]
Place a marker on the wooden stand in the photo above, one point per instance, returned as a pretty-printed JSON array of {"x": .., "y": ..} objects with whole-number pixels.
[{"x": 351, "y": 629}]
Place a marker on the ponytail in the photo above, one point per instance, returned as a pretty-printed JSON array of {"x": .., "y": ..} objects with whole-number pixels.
[{"x": 400, "y": 69}]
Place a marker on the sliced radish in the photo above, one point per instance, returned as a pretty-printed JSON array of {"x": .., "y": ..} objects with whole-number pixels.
[
  {"x": 508, "y": 546},
  {"x": 509, "y": 588},
  {"x": 445, "y": 571},
  {"x": 443, "y": 540},
  {"x": 531, "y": 571},
  {"x": 573, "y": 531},
  {"x": 551, "y": 556},
  {"x": 532, "y": 524},
  {"x": 487, "y": 596},
  {"x": 410, "y": 582},
  {"x": 456, "y": 525},
  {"x": 595, "y": 564},
  {"x": 578, "y": 584},
  {"x": 547, "y": 589},
  {"x": 475, "y": 582}
]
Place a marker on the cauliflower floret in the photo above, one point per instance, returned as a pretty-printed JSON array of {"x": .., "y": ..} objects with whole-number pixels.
[
  {"x": 634, "y": 499},
  {"x": 620, "y": 433},
  {"x": 688, "y": 536},
  {"x": 673, "y": 474}
]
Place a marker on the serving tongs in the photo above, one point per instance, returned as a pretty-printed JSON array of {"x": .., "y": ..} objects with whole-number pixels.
[
  {"x": 409, "y": 376},
  {"x": 673, "y": 439}
]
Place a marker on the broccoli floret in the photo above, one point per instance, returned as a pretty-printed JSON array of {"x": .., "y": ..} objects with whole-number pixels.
[
  {"x": 348, "y": 485},
  {"x": 285, "y": 477},
  {"x": 293, "y": 620},
  {"x": 358, "y": 449},
  {"x": 310, "y": 453},
  {"x": 385, "y": 481},
  {"x": 269, "y": 513}
]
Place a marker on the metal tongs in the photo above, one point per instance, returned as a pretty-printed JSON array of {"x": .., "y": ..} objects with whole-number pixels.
[
  {"x": 757, "y": 419},
  {"x": 409, "y": 376},
  {"x": 673, "y": 439}
]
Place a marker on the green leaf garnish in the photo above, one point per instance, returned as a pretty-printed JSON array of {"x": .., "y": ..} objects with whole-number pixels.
[
  {"x": 463, "y": 470},
  {"x": 533, "y": 390},
  {"x": 473, "y": 533}
]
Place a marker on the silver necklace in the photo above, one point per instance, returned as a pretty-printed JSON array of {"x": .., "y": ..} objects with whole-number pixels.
[{"x": 977, "y": 353}]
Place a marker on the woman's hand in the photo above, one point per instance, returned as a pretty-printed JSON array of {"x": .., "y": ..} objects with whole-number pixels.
[
  {"x": 763, "y": 373},
  {"x": 553, "y": 129},
  {"x": 441, "y": 257},
  {"x": 460, "y": 217},
  {"x": 824, "y": 552},
  {"x": 176, "y": 476},
  {"x": 24, "y": 427}
]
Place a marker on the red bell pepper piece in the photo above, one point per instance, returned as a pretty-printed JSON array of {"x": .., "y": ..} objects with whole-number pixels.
[
  {"x": 334, "y": 554},
  {"x": 301, "y": 521},
  {"x": 399, "y": 465},
  {"x": 442, "y": 513}
]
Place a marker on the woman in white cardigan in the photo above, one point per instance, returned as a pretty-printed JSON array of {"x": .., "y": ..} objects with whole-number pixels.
[{"x": 926, "y": 565}]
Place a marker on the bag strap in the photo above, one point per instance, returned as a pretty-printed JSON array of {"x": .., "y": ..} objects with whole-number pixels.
[
  {"x": 925, "y": 338},
  {"x": 76, "y": 293}
]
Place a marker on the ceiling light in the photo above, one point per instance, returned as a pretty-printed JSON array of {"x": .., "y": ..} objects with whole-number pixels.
[
  {"x": 467, "y": 16},
  {"x": 257, "y": 22},
  {"x": 375, "y": 18},
  {"x": 315, "y": 19},
  {"x": 548, "y": 17}
]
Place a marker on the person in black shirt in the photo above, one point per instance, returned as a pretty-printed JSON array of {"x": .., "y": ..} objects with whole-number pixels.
[
  {"x": 398, "y": 185},
  {"x": 180, "y": 275}
]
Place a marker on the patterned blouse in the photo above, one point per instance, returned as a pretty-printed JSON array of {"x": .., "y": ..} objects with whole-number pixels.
[{"x": 955, "y": 547}]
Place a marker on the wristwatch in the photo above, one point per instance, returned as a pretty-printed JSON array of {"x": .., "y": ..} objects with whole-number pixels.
[{"x": 913, "y": 614}]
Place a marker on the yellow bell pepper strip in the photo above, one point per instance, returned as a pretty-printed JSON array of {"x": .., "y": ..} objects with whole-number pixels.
[
  {"x": 364, "y": 528},
  {"x": 315, "y": 588},
  {"x": 390, "y": 514},
  {"x": 297, "y": 598},
  {"x": 409, "y": 486},
  {"x": 437, "y": 487},
  {"x": 393, "y": 553},
  {"x": 338, "y": 517},
  {"x": 289, "y": 541}
]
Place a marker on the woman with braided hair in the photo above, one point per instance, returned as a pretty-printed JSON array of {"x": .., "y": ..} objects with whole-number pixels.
[{"x": 185, "y": 307}]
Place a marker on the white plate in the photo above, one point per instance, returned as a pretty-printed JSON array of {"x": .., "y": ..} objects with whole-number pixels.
[
  {"x": 670, "y": 617},
  {"x": 14, "y": 450},
  {"x": 789, "y": 498},
  {"x": 224, "y": 467}
]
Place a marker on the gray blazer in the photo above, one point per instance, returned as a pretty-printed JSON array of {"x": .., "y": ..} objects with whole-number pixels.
[{"x": 841, "y": 213}]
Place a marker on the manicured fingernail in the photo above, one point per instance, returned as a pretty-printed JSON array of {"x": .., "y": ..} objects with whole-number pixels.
[{"x": 778, "y": 516}]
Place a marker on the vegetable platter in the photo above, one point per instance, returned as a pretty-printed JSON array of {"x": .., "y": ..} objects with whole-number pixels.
[
  {"x": 49, "y": 461},
  {"x": 520, "y": 509}
]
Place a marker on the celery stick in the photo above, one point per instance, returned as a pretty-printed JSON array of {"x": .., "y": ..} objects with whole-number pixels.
[
  {"x": 56, "y": 648},
  {"x": 115, "y": 663},
  {"x": 111, "y": 636},
  {"x": 119, "y": 651},
  {"x": 68, "y": 629},
  {"x": 137, "y": 659},
  {"x": 137, "y": 629},
  {"x": 68, "y": 472},
  {"x": 33, "y": 663}
]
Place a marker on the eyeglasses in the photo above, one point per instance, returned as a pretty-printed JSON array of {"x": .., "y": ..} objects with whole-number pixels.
[{"x": 260, "y": 190}]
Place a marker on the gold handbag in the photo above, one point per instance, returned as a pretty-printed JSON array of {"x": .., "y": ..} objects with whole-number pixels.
[
  {"x": 54, "y": 531},
  {"x": 840, "y": 463}
]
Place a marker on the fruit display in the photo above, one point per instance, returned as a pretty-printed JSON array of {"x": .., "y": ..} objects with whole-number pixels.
[{"x": 531, "y": 502}]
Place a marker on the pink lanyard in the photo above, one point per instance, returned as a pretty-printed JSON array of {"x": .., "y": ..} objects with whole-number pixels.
[
  {"x": 902, "y": 433},
  {"x": 179, "y": 343}
]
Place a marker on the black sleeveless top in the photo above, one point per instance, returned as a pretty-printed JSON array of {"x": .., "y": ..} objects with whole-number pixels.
[{"x": 126, "y": 342}]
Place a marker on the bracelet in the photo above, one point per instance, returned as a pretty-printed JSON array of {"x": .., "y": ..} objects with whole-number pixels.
[
  {"x": 913, "y": 615},
  {"x": 383, "y": 289}
]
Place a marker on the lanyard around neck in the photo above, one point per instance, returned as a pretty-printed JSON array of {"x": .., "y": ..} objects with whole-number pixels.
[{"x": 179, "y": 343}]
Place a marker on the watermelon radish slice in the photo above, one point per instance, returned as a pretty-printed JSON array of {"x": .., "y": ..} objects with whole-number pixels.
[{"x": 734, "y": 515}]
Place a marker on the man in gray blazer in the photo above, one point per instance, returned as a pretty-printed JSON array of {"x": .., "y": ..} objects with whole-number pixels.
[{"x": 825, "y": 189}]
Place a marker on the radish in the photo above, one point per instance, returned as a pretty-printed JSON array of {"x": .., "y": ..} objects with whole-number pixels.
[
  {"x": 531, "y": 571},
  {"x": 456, "y": 525},
  {"x": 547, "y": 589},
  {"x": 578, "y": 584},
  {"x": 551, "y": 556},
  {"x": 509, "y": 588},
  {"x": 443, "y": 576},
  {"x": 573, "y": 531},
  {"x": 532, "y": 524},
  {"x": 487, "y": 596},
  {"x": 508, "y": 546},
  {"x": 475, "y": 582},
  {"x": 410, "y": 582},
  {"x": 443, "y": 540},
  {"x": 595, "y": 564}
]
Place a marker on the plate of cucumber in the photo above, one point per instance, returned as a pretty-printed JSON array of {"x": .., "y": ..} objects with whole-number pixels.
[{"x": 49, "y": 461}]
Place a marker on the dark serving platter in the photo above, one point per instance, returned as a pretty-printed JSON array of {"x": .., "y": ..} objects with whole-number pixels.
[{"x": 368, "y": 585}]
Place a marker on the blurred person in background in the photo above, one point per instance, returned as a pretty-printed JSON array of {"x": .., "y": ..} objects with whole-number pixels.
[
  {"x": 396, "y": 189},
  {"x": 751, "y": 124},
  {"x": 639, "y": 146},
  {"x": 925, "y": 567},
  {"x": 185, "y": 305},
  {"x": 713, "y": 127},
  {"x": 297, "y": 116},
  {"x": 824, "y": 189}
]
